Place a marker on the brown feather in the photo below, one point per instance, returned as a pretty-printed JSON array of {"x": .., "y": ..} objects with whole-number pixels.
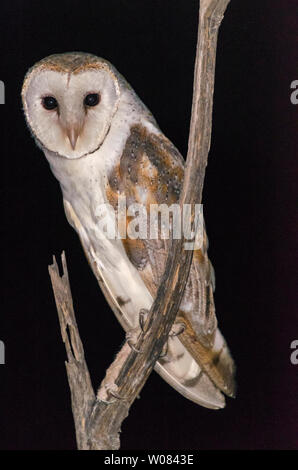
[{"x": 152, "y": 166}]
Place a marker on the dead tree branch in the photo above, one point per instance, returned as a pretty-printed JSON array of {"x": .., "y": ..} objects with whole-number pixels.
[{"x": 98, "y": 418}]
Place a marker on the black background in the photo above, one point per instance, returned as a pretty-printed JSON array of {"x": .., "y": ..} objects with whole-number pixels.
[{"x": 248, "y": 205}]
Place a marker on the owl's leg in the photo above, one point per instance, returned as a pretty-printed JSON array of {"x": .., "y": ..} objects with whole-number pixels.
[
  {"x": 177, "y": 329},
  {"x": 164, "y": 351},
  {"x": 142, "y": 318},
  {"x": 110, "y": 388},
  {"x": 174, "y": 332},
  {"x": 132, "y": 338}
]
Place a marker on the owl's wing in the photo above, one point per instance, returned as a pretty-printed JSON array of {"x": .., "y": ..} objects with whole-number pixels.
[
  {"x": 178, "y": 368},
  {"x": 151, "y": 172}
]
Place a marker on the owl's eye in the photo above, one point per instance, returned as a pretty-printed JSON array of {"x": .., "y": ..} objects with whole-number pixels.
[
  {"x": 49, "y": 102},
  {"x": 92, "y": 99}
]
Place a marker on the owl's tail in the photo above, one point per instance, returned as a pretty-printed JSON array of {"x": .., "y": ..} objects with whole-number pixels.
[{"x": 197, "y": 373}]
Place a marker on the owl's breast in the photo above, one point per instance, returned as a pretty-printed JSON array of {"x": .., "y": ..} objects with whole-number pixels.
[{"x": 94, "y": 221}]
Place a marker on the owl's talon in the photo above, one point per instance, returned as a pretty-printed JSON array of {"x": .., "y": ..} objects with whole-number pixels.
[
  {"x": 142, "y": 318},
  {"x": 164, "y": 351},
  {"x": 106, "y": 401},
  {"x": 112, "y": 389},
  {"x": 131, "y": 338},
  {"x": 138, "y": 351},
  {"x": 182, "y": 329},
  {"x": 115, "y": 395}
]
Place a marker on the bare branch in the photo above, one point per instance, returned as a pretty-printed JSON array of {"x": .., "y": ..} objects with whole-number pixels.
[
  {"x": 98, "y": 419},
  {"x": 82, "y": 394}
]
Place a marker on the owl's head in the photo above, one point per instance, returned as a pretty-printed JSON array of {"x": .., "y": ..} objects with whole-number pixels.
[{"x": 69, "y": 102}]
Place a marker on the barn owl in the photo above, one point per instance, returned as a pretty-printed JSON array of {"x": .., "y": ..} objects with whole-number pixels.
[{"x": 102, "y": 143}]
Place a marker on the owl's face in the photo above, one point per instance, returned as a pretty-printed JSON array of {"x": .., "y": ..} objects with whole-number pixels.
[{"x": 69, "y": 107}]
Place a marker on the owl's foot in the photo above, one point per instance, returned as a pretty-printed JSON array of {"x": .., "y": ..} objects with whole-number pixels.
[
  {"x": 177, "y": 329},
  {"x": 143, "y": 317},
  {"x": 110, "y": 389},
  {"x": 164, "y": 351},
  {"x": 106, "y": 390},
  {"x": 132, "y": 338}
]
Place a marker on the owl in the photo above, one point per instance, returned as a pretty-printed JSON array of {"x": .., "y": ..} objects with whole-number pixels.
[{"x": 103, "y": 144}]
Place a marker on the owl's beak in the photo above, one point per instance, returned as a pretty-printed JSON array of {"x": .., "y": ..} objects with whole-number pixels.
[{"x": 72, "y": 134}]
